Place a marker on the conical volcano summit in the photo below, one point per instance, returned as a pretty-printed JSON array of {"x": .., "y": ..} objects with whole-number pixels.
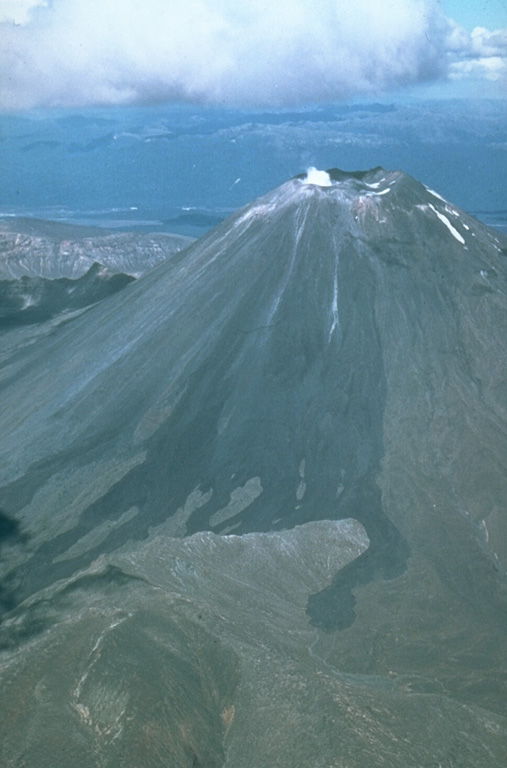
[{"x": 256, "y": 500}]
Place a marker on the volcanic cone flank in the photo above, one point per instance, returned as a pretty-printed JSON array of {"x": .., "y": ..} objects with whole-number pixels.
[{"x": 331, "y": 359}]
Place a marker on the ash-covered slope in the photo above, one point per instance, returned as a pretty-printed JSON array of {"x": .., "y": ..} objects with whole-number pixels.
[
  {"x": 337, "y": 349},
  {"x": 285, "y": 353}
]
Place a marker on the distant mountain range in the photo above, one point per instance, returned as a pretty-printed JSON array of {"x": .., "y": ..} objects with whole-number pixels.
[
  {"x": 253, "y": 503},
  {"x": 146, "y": 165},
  {"x": 33, "y": 248},
  {"x": 47, "y": 268}
]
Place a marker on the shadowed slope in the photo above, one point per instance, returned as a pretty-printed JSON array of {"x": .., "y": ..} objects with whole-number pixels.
[{"x": 31, "y": 300}]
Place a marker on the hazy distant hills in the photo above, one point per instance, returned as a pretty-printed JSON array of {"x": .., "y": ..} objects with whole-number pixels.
[
  {"x": 48, "y": 268},
  {"x": 33, "y": 248},
  {"x": 153, "y": 164},
  {"x": 253, "y": 505}
]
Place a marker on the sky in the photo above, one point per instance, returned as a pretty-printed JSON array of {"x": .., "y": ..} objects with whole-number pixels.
[
  {"x": 266, "y": 53},
  {"x": 491, "y": 14}
]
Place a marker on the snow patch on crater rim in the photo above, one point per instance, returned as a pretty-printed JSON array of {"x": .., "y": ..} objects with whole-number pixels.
[{"x": 319, "y": 178}]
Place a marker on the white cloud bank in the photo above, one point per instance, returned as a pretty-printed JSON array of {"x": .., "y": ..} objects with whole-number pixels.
[
  {"x": 257, "y": 52},
  {"x": 480, "y": 55}
]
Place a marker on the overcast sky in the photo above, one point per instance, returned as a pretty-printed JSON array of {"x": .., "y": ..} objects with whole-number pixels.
[{"x": 253, "y": 52}]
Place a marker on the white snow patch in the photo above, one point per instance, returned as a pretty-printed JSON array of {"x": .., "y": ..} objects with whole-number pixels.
[
  {"x": 320, "y": 178},
  {"x": 483, "y": 531},
  {"x": 466, "y": 227},
  {"x": 377, "y": 194},
  {"x": 484, "y": 273},
  {"x": 334, "y": 306},
  {"x": 375, "y": 184},
  {"x": 454, "y": 232},
  {"x": 28, "y": 301},
  {"x": 435, "y": 194}
]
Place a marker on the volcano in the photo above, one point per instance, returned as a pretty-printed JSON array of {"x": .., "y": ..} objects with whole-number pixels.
[{"x": 254, "y": 503}]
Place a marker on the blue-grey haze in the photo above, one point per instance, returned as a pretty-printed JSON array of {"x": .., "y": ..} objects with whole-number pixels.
[{"x": 181, "y": 168}]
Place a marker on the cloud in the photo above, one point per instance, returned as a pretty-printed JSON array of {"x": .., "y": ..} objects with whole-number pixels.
[
  {"x": 18, "y": 11},
  {"x": 481, "y": 54},
  {"x": 482, "y": 68},
  {"x": 484, "y": 43},
  {"x": 257, "y": 52},
  {"x": 265, "y": 52}
]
